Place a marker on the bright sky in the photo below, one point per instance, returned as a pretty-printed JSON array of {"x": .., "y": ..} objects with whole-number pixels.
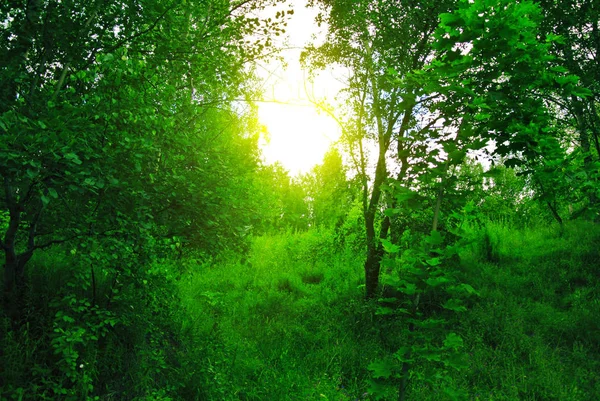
[{"x": 299, "y": 135}]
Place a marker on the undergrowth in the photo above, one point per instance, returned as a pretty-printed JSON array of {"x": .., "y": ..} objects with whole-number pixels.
[
  {"x": 295, "y": 326},
  {"x": 288, "y": 321}
]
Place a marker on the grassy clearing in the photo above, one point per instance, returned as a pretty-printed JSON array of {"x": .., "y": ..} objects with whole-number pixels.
[
  {"x": 290, "y": 320},
  {"x": 290, "y": 324},
  {"x": 534, "y": 333}
]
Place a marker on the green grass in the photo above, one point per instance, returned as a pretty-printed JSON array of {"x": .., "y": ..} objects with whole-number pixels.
[
  {"x": 533, "y": 334},
  {"x": 294, "y": 327},
  {"x": 288, "y": 322}
]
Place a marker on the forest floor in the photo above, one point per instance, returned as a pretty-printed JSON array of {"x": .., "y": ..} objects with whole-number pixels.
[{"x": 290, "y": 323}]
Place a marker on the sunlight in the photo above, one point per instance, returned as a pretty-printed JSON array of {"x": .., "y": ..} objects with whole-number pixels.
[{"x": 298, "y": 135}]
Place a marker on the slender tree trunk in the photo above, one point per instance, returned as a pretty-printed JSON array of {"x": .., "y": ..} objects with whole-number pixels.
[
  {"x": 584, "y": 142},
  {"x": 374, "y": 254},
  {"x": 372, "y": 273},
  {"x": 14, "y": 263},
  {"x": 554, "y": 213},
  {"x": 14, "y": 286},
  {"x": 594, "y": 127}
]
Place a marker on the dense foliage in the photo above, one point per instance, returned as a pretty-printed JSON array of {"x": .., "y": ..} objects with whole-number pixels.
[{"x": 445, "y": 249}]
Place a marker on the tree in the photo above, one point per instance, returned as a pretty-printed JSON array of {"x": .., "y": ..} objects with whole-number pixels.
[
  {"x": 372, "y": 39},
  {"x": 328, "y": 191},
  {"x": 483, "y": 83},
  {"x": 281, "y": 201},
  {"x": 118, "y": 116},
  {"x": 505, "y": 73},
  {"x": 574, "y": 31}
]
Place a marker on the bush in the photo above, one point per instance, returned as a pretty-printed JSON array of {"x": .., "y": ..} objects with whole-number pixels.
[{"x": 85, "y": 327}]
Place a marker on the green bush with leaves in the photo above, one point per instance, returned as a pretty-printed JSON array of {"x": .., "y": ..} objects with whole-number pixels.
[{"x": 422, "y": 288}]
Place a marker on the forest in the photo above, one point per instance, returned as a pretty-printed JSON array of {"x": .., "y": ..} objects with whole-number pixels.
[{"x": 447, "y": 247}]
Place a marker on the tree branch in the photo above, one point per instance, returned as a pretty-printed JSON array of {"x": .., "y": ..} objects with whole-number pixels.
[
  {"x": 67, "y": 66},
  {"x": 142, "y": 32},
  {"x": 71, "y": 238},
  {"x": 15, "y": 216}
]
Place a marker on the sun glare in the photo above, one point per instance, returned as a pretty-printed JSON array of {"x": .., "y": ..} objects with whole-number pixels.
[{"x": 299, "y": 136}]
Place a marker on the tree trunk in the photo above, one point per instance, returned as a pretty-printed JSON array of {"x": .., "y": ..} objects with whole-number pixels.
[
  {"x": 584, "y": 142},
  {"x": 555, "y": 214},
  {"x": 373, "y": 247},
  {"x": 372, "y": 273},
  {"x": 14, "y": 285},
  {"x": 14, "y": 263}
]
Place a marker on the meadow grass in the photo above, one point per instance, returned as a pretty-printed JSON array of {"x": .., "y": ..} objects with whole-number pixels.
[
  {"x": 292, "y": 323},
  {"x": 288, "y": 321}
]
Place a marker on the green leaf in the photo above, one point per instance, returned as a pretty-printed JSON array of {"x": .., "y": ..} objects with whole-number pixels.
[
  {"x": 559, "y": 68},
  {"x": 455, "y": 305},
  {"x": 436, "y": 281},
  {"x": 389, "y": 247},
  {"x": 435, "y": 238},
  {"x": 404, "y": 195},
  {"x": 581, "y": 92},
  {"x": 568, "y": 79},
  {"x": 482, "y": 116},
  {"x": 45, "y": 200},
  {"x": 449, "y": 19},
  {"x": 558, "y": 39},
  {"x": 408, "y": 288},
  {"x": 428, "y": 324},
  {"x": 384, "y": 310},
  {"x": 468, "y": 289},
  {"x": 432, "y": 355},
  {"x": 73, "y": 158},
  {"x": 68, "y": 319},
  {"x": 380, "y": 369},
  {"x": 391, "y": 212},
  {"x": 53, "y": 193},
  {"x": 433, "y": 262},
  {"x": 453, "y": 341},
  {"x": 402, "y": 353}
]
